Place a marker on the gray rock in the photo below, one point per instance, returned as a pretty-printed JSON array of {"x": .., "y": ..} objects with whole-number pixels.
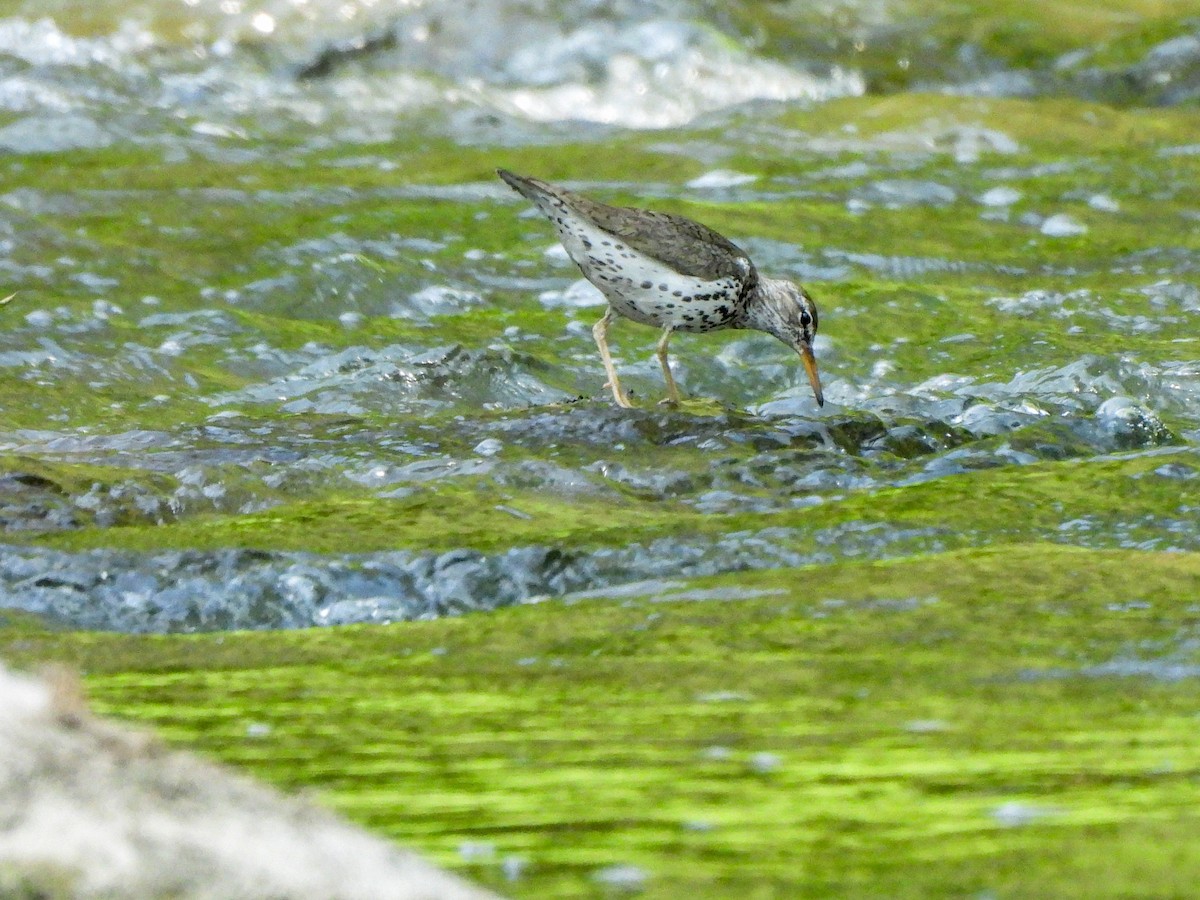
[{"x": 88, "y": 809}]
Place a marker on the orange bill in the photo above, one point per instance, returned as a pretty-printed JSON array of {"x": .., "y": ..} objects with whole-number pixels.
[{"x": 810, "y": 366}]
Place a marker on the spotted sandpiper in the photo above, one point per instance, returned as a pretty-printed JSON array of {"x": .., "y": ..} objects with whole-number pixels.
[{"x": 665, "y": 270}]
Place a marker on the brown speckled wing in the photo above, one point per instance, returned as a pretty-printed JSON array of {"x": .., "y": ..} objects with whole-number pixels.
[{"x": 681, "y": 244}]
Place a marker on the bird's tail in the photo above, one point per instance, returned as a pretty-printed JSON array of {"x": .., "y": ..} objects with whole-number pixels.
[{"x": 532, "y": 188}]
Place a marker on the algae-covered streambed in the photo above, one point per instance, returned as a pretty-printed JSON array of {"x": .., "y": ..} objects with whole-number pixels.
[
  {"x": 284, "y": 353},
  {"x": 1018, "y": 721}
]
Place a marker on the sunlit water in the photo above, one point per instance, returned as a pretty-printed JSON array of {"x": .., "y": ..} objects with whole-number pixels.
[{"x": 314, "y": 86}]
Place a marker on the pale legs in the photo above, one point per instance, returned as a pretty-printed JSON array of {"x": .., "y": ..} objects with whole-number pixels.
[
  {"x": 672, "y": 391},
  {"x": 600, "y": 333}
]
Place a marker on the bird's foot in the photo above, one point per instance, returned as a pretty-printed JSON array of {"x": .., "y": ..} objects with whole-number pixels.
[{"x": 621, "y": 398}]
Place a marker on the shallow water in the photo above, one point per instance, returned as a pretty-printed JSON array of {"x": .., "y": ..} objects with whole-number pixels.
[{"x": 261, "y": 261}]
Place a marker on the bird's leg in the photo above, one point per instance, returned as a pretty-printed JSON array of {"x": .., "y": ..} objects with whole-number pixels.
[
  {"x": 600, "y": 333},
  {"x": 672, "y": 390}
]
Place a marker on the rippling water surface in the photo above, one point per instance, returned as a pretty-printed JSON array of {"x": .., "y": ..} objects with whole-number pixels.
[
  {"x": 278, "y": 350},
  {"x": 264, "y": 276}
]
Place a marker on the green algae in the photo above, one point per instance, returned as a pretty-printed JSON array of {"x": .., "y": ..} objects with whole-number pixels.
[
  {"x": 475, "y": 514},
  {"x": 999, "y": 504},
  {"x": 71, "y": 476},
  {"x": 906, "y": 44},
  {"x": 936, "y": 725},
  {"x": 41, "y": 883},
  {"x": 173, "y": 230},
  {"x": 904, "y": 705}
]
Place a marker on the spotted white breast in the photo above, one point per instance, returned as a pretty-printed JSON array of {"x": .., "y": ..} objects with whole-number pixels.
[{"x": 640, "y": 287}]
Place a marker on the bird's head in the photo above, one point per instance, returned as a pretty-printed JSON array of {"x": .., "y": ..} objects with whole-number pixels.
[{"x": 785, "y": 310}]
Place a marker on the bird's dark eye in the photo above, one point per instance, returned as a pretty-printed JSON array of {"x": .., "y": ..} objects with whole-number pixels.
[{"x": 805, "y": 319}]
